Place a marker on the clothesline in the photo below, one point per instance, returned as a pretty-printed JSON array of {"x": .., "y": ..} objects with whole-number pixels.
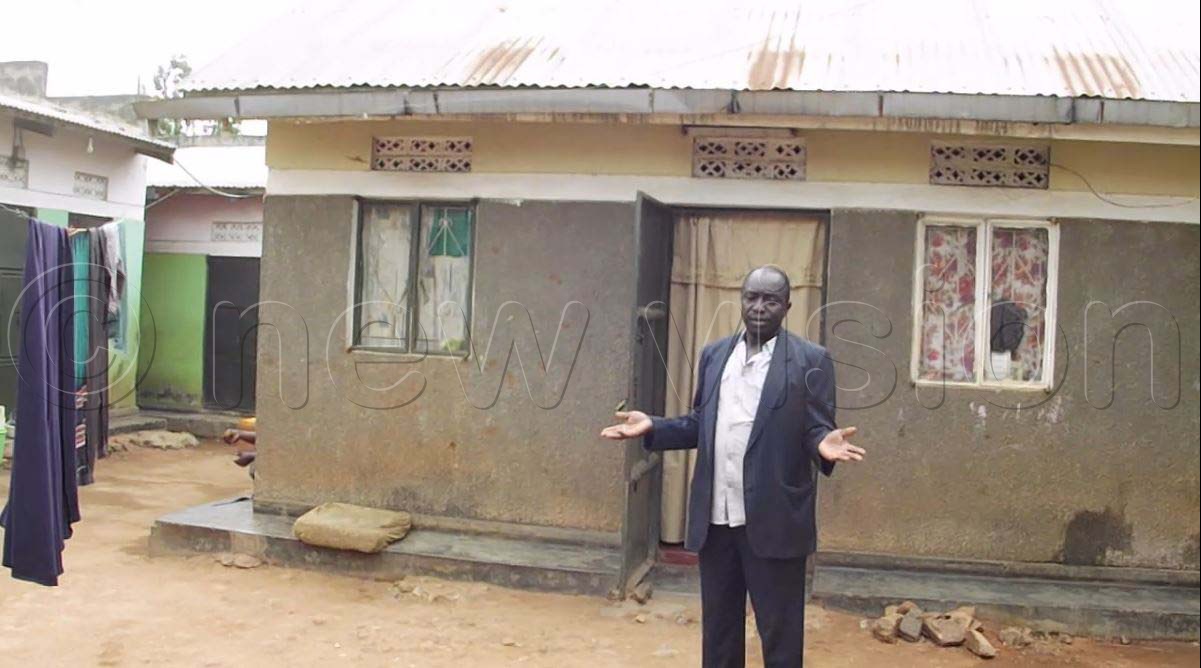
[
  {"x": 71, "y": 231},
  {"x": 21, "y": 214}
]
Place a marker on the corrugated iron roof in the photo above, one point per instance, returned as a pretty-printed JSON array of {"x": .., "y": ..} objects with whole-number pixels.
[
  {"x": 212, "y": 166},
  {"x": 57, "y": 113},
  {"x": 1118, "y": 49}
]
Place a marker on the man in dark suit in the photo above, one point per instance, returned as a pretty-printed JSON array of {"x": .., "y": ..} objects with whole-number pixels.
[{"x": 763, "y": 423}]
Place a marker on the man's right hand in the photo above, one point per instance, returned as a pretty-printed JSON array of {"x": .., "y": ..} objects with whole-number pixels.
[{"x": 633, "y": 424}]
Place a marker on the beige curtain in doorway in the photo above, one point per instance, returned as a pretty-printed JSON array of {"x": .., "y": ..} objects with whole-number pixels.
[{"x": 714, "y": 251}]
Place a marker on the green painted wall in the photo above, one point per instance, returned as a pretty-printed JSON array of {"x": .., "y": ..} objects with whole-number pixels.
[
  {"x": 172, "y": 353},
  {"x": 53, "y": 216},
  {"x": 123, "y": 363}
]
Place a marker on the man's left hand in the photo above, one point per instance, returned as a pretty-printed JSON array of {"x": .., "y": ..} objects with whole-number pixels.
[{"x": 836, "y": 448}]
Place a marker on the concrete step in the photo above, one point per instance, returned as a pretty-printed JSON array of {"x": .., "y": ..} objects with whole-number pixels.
[
  {"x": 233, "y": 526},
  {"x": 1103, "y": 609},
  {"x": 134, "y": 422},
  {"x": 1097, "y": 609}
]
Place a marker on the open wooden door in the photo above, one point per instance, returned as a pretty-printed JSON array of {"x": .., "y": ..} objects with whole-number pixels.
[{"x": 653, "y": 234}]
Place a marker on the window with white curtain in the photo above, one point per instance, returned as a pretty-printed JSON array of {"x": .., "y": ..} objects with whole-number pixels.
[{"x": 413, "y": 277}]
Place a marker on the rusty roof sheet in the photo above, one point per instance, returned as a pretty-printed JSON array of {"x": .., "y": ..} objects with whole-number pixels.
[{"x": 1119, "y": 49}]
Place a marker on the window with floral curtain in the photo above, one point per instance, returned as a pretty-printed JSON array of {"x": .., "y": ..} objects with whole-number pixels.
[
  {"x": 1003, "y": 339},
  {"x": 1019, "y": 284},
  {"x": 949, "y": 304}
]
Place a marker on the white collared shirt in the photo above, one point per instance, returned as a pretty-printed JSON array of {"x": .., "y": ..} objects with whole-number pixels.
[{"x": 738, "y": 401}]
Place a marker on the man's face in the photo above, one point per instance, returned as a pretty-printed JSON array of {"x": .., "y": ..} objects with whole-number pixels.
[{"x": 765, "y": 302}]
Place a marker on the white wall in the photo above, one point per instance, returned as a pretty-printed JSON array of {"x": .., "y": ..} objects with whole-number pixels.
[
  {"x": 688, "y": 191},
  {"x": 54, "y": 160},
  {"x": 185, "y": 224}
]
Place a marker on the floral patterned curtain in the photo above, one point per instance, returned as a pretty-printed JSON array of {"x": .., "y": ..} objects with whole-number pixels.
[
  {"x": 948, "y": 349},
  {"x": 1019, "y": 276}
]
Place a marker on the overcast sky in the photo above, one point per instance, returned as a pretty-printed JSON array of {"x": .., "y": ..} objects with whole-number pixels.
[{"x": 97, "y": 47}]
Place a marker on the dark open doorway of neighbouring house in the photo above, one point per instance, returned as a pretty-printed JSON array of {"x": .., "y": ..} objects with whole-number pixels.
[
  {"x": 14, "y": 226},
  {"x": 230, "y": 333}
]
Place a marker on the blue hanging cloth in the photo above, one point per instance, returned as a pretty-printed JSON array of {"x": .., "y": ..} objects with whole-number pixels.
[{"x": 43, "y": 499}]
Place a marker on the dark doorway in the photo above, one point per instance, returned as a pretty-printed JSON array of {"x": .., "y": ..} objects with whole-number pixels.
[
  {"x": 14, "y": 227},
  {"x": 231, "y": 326}
]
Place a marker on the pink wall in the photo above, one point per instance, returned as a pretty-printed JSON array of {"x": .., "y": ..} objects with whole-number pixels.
[{"x": 185, "y": 224}]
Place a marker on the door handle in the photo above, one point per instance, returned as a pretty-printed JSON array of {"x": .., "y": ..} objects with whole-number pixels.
[{"x": 643, "y": 467}]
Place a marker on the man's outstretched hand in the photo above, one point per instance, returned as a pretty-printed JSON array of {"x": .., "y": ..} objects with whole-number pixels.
[
  {"x": 836, "y": 448},
  {"x": 633, "y": 424}
]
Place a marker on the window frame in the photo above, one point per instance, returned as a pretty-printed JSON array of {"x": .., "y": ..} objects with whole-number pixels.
[
  {"x": 412, "y": 343},
  {"x": 984, "y": 233}
]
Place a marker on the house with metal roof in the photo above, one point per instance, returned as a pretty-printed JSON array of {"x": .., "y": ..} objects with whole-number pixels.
[
  {"x": 489, "y": 223},
  {"x": 204, "y": 221},
  {"x": 69, "y": 165}
]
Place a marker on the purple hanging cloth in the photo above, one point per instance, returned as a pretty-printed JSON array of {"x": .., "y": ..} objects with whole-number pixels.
[{"x": 43, "y": 500}]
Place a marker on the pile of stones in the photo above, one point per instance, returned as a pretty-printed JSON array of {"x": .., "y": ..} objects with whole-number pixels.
[{"x": 956, "y": 628}]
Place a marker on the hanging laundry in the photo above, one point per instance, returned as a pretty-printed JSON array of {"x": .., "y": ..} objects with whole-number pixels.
[
  {"x": 81, "y": 244},
  {"x": 114, "y": 266},
  {"x": 96, "y": 373},
  {"x": 43, "y": 499},
  {"x": 81, "y": 255}
]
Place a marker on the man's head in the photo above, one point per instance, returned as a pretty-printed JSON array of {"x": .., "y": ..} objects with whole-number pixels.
[{"x": 765, "y": 301}]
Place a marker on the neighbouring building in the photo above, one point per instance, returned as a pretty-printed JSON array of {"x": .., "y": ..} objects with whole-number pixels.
[
  {"x": 65, "y": 163},
  {"x": 475, "y": 214},
  {"x": 204, "y": 222}
]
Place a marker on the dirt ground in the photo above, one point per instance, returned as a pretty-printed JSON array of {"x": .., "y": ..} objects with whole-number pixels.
[{"x": 117, "y": 607}]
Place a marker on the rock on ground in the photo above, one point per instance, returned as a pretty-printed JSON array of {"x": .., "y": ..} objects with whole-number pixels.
[
  {"x": 977, "y": 644},
  {"x": 239, "y": 560},
  {"x": 885, "y": 628},
  {"x": 967, "y": 612},
  {"x": 153, "y": 438},
  {"x": 247, "y": 561},
  {"x": 910, "y": 627},
  {"x": 946, "y": 630},
  {"x": 666, "y": 651},
  {"x": 1013, "y": 636},
  {"x": 664, "y": 610}
]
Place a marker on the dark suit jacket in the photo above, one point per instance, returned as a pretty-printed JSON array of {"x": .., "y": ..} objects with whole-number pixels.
[{"x": 796, "y": 411}]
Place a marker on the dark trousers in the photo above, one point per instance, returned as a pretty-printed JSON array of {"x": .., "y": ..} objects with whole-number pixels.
[{"x": 729, "y": 569}]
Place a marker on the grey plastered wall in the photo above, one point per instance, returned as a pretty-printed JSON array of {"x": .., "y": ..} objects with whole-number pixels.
[
  {"x": 457, "y": 442},
  {"x": 1075, "y": 478}
]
